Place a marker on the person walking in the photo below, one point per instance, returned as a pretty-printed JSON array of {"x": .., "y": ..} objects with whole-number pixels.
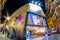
[{"x": 3, "y": 29}]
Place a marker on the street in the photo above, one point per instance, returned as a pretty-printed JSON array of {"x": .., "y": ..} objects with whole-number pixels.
[
  {"x": 52, "y": 37},
  {"x": 3, "y": 36}
]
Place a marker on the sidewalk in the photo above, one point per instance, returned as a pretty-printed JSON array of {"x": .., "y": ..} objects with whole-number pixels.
[
  {"x": 52, "y": 37},
  {"x": 3, "y": 36}
]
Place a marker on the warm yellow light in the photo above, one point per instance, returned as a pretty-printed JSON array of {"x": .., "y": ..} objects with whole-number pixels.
[
  {"x": 7, "y": 18},
  {"x": 43, "y": 29}
]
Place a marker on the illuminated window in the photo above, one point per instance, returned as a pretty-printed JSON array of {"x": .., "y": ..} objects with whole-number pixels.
[
  {"x": 57, "y": 15},
  {"x": 54, "y": 17},
  {"x": 52, "y": 11}
]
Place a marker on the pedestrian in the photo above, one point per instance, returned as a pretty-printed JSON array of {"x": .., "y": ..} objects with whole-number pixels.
[
  {"x": 8, "y": 31},
  {"x": 19, "y": 37},
  {"x": 13, "y": 35},
  {"x": 3, "y": 28}
]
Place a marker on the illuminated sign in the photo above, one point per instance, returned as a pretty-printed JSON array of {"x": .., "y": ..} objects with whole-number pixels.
[{"x": 20, "y": 17}]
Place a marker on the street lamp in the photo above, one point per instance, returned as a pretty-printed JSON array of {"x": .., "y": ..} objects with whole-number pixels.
[{"x": 7, "y": 18}]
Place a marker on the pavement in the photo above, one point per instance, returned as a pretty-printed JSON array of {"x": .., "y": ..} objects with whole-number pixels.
[
  {"x": 52, "y": 37},
  {"x": 3, "y": 36}
]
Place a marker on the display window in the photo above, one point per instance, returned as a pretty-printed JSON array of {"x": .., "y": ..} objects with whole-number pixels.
[
  {"x": 34, "y": 19},
  {"x": 36, "y": 26},
  {"x": 35, "y": 32}
]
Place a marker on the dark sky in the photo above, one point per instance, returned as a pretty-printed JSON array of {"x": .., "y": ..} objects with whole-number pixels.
[{"x": 13, "y": 5}]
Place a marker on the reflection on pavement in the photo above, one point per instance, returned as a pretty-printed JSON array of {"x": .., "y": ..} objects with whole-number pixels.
[
  {"x": 52, "y": 37},
  {"x": 3, "y": 36}
]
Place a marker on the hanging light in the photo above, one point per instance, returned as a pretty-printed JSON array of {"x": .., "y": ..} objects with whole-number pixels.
[
  {"x": 32, "y": 1},
  {"x": 39, "y": 4}
]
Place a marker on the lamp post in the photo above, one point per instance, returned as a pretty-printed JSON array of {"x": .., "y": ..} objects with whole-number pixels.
[{"x": 7, "y": 19}]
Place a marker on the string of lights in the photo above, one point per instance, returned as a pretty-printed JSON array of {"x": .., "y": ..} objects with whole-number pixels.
[{"x": 39, "y": 3}]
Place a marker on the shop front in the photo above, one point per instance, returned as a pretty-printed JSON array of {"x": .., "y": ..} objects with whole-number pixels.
[
  {"x": 36, "y": 23},
  {"x": 30, "y": 21}
]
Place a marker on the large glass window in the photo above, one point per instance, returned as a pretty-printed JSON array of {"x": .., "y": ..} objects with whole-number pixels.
[
  {"x": 36, "y": 26},
  {"x": 34, "y": 19},
  {"x": 52, "y": 11}
]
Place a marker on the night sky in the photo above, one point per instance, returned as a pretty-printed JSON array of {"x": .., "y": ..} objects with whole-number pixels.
[{"x": 13, "y": 5}]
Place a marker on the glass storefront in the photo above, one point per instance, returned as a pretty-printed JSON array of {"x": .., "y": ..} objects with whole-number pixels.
[{"x": 36, "y": 26}]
